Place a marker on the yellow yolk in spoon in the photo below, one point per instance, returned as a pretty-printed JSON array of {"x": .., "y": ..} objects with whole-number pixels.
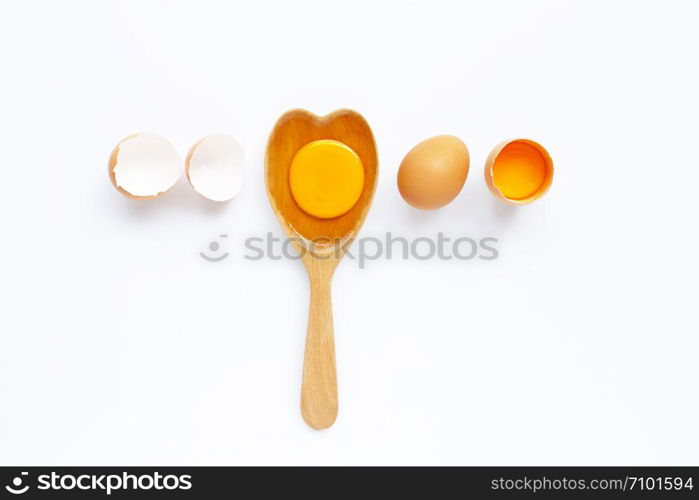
[
  {"x": 326, "y": 178},
  {"x": 519, "y": 171}
]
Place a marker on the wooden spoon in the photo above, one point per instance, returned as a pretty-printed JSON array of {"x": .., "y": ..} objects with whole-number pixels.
[{"x": 321, "y": 242}]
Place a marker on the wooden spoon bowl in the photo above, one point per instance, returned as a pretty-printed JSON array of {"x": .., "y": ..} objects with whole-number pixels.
[{"x": 321, "y": 242}]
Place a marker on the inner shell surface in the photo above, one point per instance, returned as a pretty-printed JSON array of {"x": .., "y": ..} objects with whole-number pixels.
[{"x": 147, "y": 165}]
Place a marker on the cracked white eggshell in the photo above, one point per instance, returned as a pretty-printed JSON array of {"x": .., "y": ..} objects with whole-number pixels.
[
  {"x": 214, "y": 167},
  {"x": 143, "y": 166}
]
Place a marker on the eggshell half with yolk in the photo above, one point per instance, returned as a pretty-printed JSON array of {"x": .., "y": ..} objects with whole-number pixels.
[{"x": 519, "y": 171}]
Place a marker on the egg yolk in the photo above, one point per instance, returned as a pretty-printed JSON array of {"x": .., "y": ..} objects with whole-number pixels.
[
  {"x": 326, "y": 178},
  {"x": 519, "y": 170}
]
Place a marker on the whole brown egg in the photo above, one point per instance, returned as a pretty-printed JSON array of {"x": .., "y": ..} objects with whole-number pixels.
[{"x": 433, "y": 172}]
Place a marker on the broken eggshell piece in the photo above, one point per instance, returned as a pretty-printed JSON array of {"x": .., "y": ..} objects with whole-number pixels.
[
  {"x": 143, "y": 166},
  {"x": 214, "y": 167}
]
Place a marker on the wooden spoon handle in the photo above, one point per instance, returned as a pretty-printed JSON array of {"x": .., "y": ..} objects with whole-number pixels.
[{"x": 319, "y": 386}]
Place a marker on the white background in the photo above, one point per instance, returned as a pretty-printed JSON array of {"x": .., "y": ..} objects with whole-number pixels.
[{"x": 120, "y": 345}]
